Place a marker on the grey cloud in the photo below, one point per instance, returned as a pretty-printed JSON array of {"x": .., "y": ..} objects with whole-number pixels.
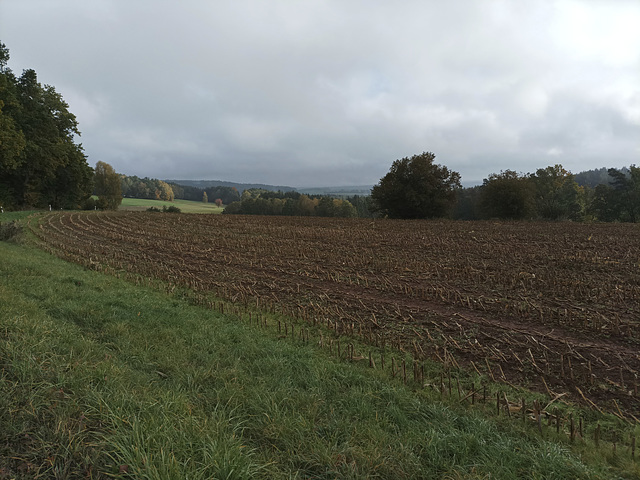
[{"x": 313, "y": 93}]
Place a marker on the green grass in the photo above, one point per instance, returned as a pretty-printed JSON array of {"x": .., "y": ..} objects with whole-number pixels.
[
  {"x": 103, "y": 379},
  {"x": 187, "y": 206},
  {"x": 12, "y": 216}
]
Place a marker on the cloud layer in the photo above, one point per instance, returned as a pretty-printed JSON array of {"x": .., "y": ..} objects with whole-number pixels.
[{"x": 331, "y": 92}]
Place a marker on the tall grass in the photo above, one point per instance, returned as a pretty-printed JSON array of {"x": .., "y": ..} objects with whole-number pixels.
[{"x": 102, "y": 379}]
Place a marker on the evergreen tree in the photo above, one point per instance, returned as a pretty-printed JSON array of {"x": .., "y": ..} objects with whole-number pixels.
[{"x": 621, "y": 199}]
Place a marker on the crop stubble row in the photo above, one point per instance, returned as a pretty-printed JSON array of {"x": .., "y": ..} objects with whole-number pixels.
[{"x": 548, "y": 305}]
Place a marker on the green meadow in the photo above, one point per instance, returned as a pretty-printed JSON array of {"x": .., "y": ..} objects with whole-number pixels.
[
  {"x": 100, "y": 378},
  {"x": 186, "y": 206}
]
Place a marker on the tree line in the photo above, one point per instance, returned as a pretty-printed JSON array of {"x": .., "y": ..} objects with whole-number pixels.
[
  {"x": 154, "y": 189},
  {"x": 416, "y": 187},
  {"x": 110, "y": 187},
  {"x": 266, "y": 202},
  {"x": 149, "y": 188},
  {"x": 552, "y": 193},
  {"x": 225, "y": 194}
]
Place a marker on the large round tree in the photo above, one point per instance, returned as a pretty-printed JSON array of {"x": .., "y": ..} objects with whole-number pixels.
[{"x": 416, "y": 188}]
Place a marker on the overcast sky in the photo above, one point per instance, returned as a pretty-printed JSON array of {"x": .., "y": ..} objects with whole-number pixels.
[{"x": 327, "y": 93}]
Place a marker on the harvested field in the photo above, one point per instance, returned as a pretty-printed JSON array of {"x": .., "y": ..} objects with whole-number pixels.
[{"x": 550, "y": 306}]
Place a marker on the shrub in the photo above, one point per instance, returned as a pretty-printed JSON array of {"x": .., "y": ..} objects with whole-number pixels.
[
  {"x": 233, "y": 208},
  {"x": 9, "y": 230},
  {"x": 89, "y": 204},
  {"x": 171, "y": 209}
]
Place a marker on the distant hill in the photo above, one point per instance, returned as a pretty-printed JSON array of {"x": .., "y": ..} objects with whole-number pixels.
[
  {"x": 241, "y": 187},
  {"x": 593, "y": 178},
  {"x": 348, "y": 191}
]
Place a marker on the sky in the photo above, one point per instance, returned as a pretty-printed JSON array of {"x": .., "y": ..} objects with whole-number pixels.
[{"x": 329, "y": 93}]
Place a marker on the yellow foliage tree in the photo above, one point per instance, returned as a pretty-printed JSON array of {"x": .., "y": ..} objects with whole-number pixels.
[{"x": 164, "y": 191}]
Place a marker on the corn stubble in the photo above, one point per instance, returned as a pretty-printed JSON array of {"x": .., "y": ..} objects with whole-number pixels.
[{"x": 550, "y": 306}]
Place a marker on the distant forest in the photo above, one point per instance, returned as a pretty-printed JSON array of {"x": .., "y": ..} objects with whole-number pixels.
[
  {"x": 551, "y": 193},
  {"x": 603, "y": 194},
  {"x": 240, "y": 187},
  {"x": 292, "y": 203},
  {"x": 153, "y": 188},
  {"x": 252, "y": 201}
]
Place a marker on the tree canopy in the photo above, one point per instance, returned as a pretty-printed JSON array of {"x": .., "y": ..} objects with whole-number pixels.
[
  {"x": 553, "y": 193},
  {"x": 550, "y": 193},
  {"x": 620, "y": 199},
  {"x": 508, "y": 195},
  {"x": 416, "y": 188},
  {"x": 256, "y": 201},
  {"x": 40, "y": 162},
  {"x": 557, "y": 194}
]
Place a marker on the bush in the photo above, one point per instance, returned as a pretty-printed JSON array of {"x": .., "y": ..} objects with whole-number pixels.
[
  {"x": 233, "y": 208},
  {"x": 9, "y": 230},
  {"x": 171, "y": 209},
  {"x": 89, "y": 204},
  {"x": 165, "y": 209}
]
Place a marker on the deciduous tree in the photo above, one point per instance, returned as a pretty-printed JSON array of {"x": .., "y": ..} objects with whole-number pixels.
[
  {"x": 40, "y": 163},
  {"x": 164, "y": 191},
  {"x": 107, "y": 187},
  {"x": 557, "y": 196},
  {"x": 416, "y": 188},
  {"x": 508, "y": 195}
]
